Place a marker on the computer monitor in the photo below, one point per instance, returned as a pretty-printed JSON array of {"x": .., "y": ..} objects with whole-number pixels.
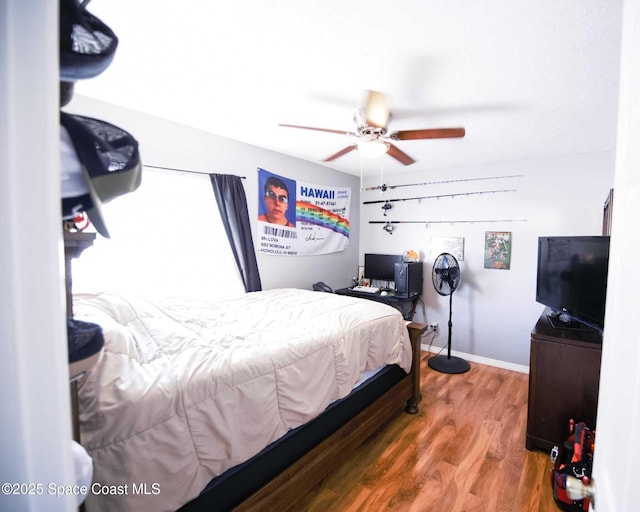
[{"x": 381, "y": 266}]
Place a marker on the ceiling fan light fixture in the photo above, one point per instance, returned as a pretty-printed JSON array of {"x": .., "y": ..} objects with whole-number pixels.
[
  {"x": 372, "y": 136},
  {"x": 373, "y": 148}
]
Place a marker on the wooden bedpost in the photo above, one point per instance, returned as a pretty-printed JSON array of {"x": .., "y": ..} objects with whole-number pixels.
[{"x": 415, "y": 334}]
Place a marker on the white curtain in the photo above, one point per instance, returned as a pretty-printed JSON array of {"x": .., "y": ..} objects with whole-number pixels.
[{"x": 167, "y": 239}]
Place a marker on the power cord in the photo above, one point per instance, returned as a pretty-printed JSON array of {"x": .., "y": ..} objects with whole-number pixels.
[{"x": 435, "y": 334}]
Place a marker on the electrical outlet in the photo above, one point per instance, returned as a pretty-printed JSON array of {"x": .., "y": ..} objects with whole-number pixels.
[{"x": 434, "y": 328}]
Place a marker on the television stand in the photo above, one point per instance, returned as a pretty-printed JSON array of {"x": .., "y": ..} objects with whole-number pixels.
[{"x": 564, "y": 378}]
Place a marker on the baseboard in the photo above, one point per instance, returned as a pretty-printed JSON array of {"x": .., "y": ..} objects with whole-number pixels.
[{"x": 520, "y": 368}]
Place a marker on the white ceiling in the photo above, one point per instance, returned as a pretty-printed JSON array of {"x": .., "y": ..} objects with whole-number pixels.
[{"x": 527, "y": 79}]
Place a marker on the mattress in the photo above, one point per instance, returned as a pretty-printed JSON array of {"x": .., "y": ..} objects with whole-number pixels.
[
  {"x": 188, "y": 388},
  {"x": 239, "y": 483}
]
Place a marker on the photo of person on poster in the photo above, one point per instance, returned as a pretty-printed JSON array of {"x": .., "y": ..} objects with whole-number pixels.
[{"x": 275, "y": 202}]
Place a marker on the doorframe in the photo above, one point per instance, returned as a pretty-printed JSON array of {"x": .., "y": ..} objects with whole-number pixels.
[{"x": 617, "y": 445}]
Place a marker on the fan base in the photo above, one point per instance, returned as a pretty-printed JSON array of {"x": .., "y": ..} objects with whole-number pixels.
[{"x": 451, "y": 364}]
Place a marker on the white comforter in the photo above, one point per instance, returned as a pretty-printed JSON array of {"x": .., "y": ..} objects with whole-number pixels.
[{"x": 187, "y": 389}]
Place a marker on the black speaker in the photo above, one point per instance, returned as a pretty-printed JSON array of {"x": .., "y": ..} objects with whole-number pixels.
[{"x": 408, "y": 279}]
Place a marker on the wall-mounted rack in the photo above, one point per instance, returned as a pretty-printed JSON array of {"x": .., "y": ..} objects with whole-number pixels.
[
  {"x": 438, "y": 196},
  {"x": 384, "y": 187},
  {"x": 389, "y": 228},
  {"x": 387, "y": 202}
]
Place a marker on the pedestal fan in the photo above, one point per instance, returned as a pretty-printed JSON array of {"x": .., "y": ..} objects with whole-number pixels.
[{"x": 446, "y": 278}]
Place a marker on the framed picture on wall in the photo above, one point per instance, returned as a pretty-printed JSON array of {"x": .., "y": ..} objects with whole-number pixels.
[
  {"x": 452, "y": 245},
  {"x": 497, "y": 249}
]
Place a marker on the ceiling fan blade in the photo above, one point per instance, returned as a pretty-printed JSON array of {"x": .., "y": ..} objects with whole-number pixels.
[
  {"x": 340, "y": 153},
  {"x": 341, "y": 132},
  {"x": 401, "y": 156},
  {"x": 377, "y": 110},
  {"x": 432, "y": 133}
]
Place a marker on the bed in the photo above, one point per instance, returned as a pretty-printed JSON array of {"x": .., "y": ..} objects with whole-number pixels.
[{"x": 239, "y": 402}]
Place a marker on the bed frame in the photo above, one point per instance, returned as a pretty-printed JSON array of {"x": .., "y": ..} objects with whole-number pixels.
[{"x": 319, "y": 459}]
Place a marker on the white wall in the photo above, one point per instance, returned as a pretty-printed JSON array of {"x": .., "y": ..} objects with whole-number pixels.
[
  {"x": 168, "y": 144},
  {"x": 35, "y": 441},
  {"x": 493, "y": 310}
]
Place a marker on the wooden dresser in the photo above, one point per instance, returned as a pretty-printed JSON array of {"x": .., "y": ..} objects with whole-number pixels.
[{"x": 564, "y": 378}]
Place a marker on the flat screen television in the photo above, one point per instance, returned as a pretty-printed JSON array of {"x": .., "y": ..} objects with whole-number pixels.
[
  {"x": 381, "y": 266},
  {"x": 572, "y": 278}
]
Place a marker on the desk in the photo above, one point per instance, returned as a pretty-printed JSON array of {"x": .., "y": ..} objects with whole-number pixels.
[{"x": 406, "y": 305}]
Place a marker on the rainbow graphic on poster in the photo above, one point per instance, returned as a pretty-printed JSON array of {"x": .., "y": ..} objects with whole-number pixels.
[{"x": 313, "y": 214}]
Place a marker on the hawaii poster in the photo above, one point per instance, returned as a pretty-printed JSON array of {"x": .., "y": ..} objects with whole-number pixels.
[{"x": 301, "y": 219}]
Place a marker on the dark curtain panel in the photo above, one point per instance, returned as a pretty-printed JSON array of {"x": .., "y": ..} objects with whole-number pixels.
[{"x": 232, "y": 203}]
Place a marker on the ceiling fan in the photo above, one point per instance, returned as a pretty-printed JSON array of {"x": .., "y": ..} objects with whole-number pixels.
[{"x": 373, "y": 137}]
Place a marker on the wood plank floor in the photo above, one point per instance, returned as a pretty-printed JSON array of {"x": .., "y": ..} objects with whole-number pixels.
[{"x": 464, "y": 451}]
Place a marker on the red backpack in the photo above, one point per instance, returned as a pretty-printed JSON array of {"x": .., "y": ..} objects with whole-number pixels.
[{"x": 575, "y": 458}]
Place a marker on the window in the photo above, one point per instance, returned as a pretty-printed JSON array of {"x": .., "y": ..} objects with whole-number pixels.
[{"x": 166, "y": 239}]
